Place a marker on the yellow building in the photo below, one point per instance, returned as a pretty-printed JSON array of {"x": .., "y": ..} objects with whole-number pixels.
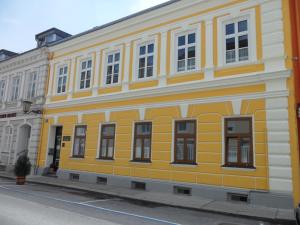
[{"x": 192, "y": 97}]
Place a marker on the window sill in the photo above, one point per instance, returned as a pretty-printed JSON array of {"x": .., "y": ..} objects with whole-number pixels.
[
  {"x": 143, "y": 80},
  {"x": 105, "y": 86},
  {"x": 76, "y": 157},
  {"x": 185, "y": 73},
  {"x": 141, "y": 161},
  {"x": 236, "y": 64},
  {"x": 105, "y": 160},
  {"x": 225, "y": 167},
  {"x": 180, "y": 164}
]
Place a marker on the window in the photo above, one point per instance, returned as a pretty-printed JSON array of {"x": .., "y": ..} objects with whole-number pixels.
[
  {"x": 186, "y": 52},
  {"x": 62, "y": 79},
  {"x": 107, "y": 142},
  {"x": 112, "y": 68},
  {"x": 146, "y": 60},
  {"x": 238, "y": 142},
  {"x": 236, "y": 41},
  {"x": 185, "y": 141},
  {"x": 79, "y": 142},
  {"x": 2, "y": 90},
  {"x": 32, "y": 82},
  {"x": 8, "y": 138},
  {"x": 15, "y": 88},
  {"x": 142, "y": 141},
  {"x": 85, "y": 74}
]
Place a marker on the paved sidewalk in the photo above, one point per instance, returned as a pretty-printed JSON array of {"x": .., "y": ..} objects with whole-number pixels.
[{"x": 191, "y": 202}]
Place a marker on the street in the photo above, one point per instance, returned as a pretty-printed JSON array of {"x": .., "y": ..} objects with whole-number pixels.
[{"x": 34, "y": 204}]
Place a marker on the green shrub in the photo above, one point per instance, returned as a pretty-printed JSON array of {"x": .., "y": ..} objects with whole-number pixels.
[{"x": 22, "y": 166}]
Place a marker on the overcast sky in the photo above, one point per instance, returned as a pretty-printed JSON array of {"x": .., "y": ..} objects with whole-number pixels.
[{"x": 20, "y": 20}]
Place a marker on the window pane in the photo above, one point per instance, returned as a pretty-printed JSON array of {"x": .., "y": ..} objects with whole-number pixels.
[
  {"x": 83, "y": 65},
  {"x": 61, "y": 71},
  {"x": 142, "y": 63},
  {"x": 147, "y": 148},
  {"x": 80, "y": 131},
  {"x": 180, "y": 149},
  {"x": 82, "y": 84},
  {"x": 181, "y": 40},
  {"x": 116, "y": 68},
  {"x": 88, "y": 74},
  {"x": 109, "y": 70},
  {"x": 191, "y": 52},
  {"x": 108, "y": 130},
  {"x": 142, "y": 50},
  {"x": 81, "y": 147},
  {"x": 138, "y": 148},
  {"x": 76, "y": 147},
  {"x": 191, "y": 38},
  {"x": 103, "y": 148},
  {"x": 108, "y": 79},
  {"x": 65, "y": 70},
  {"x": 181, "y": 66},
  {"x": 230, "y": 44},
  {"x": 230, "y": 29},
  {"x": 115, "y": 78},
  {"x": 150, "y": 61},
  {"x": 243, "y": 41},
  {"x": 191, "y": 64},
  {"x": 185, "y": 127},
  {"x": 181, "y": 54},
  {"x": 149, "y": 71},
  {"x": 245, "y": 150},
  {"x": 87, "y": 83},
  {"x": 243, "y": 25},
  {"x": 117, "y": 57},
  {"x": 143, "y": 129},
  {"x": 151, "y": 48},
  {"x": 232, "y": 150},
  {"x": 110, "y": 58},
  {"x": 243, "y": 48},
  {"x": 82, "y": 77},
  {"x": 190, "y": 149},
  {"x": 89, "y": 64},
  {"x": 142, "y": 73},
  {"x": 110, "y": 148},
  {"x": 238, "y": 126}
]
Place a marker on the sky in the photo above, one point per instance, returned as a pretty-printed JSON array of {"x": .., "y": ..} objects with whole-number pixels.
[{"x": 21, "y": 20}]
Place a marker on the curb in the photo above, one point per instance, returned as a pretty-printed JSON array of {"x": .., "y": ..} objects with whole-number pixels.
[{"x": 131, "y": 198}]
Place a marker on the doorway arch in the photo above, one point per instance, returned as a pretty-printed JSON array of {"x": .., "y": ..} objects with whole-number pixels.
[{"x": 24, "y": 134}]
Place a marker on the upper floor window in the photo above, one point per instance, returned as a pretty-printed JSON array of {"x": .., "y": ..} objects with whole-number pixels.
[
  {"x": 32, "y": 83},
  {"x": 238, "y": 142},
  {"x": 186, "y": 52},
  {"x": 62, "y": 79},
  {"x": 236, "y": 41},
  {"x": 79, "y": 141},
  {"x": 142, "y": 141},
  {"x": 2, "y": 89},
  {"x": 85, "y": 74},
  {"x": 146, "y": 60},
  {"x": 112, "y": 68},
  {"x": 185, "y": 141},
  {"x": 15, "y": 90}
]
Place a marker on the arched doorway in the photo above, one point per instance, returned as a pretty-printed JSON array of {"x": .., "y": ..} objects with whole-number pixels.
[{"x": 23, "y": 140}]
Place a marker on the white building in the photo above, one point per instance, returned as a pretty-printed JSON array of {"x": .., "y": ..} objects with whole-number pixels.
[{"x": 23, "y": 77}]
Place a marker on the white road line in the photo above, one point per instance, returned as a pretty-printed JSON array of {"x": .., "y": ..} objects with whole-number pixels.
[
  {"x": 99, "y": 200},
  {"x": 95, "y": 207}
]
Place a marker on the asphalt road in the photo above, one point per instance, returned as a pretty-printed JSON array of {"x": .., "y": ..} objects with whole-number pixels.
[{"x": 34, "y": 204}]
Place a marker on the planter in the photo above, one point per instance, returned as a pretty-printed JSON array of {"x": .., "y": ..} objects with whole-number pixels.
[{"x": 20, "y": 180}]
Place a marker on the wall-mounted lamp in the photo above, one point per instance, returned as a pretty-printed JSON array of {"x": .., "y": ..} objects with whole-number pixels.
[{"x": 26, "y": 108}]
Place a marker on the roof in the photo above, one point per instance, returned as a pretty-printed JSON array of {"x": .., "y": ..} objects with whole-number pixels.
[
  {"x": 52, "y": 30},
  {"x": 117, "y": 21},
  {"x": 8, "y": 53}
]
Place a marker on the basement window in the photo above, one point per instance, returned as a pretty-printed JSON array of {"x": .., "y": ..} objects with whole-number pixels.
[
  {"x": 102, "y": 180},
  {"x": 237, "y": 197},
  {"x": 74, "y": 177},
  {"x": 182, "y": 190},
  {"x": 138, "y": 185}
]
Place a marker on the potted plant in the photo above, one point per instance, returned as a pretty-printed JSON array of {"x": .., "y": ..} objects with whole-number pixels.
[{"x": 22, "y": 169}]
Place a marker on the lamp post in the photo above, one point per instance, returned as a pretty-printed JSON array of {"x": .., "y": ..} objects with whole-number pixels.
[{"x": 27, "y": 108}]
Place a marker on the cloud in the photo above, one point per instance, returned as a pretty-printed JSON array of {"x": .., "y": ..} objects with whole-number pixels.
[{"x": 139, "y": 5}]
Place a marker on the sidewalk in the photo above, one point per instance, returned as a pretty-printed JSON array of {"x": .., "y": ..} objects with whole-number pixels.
[{"x": 190, "y": 202}]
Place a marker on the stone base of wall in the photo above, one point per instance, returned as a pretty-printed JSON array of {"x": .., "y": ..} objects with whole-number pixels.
[{"x": 268, "y": 199}]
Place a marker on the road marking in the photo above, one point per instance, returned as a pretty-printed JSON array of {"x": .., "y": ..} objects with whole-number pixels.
[
  {"x": 99, "y": 200},
  {"x": 95, "y": 207}
]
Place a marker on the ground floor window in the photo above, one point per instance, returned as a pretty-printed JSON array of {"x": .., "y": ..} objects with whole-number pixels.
[
  {"x": 142, "y": 141},
  {"x": 185, "y": 141},
  {"x": 107, "y": 141},
  {"x": 238, "y": 142},
  {"x": 79, "y": 141}
]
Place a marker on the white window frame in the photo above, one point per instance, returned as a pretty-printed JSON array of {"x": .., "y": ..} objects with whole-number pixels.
[
  {"x": 84, "y": 70},
  {"x": 105, "y": 64},
  {"x": 99, "y": 140},
  {"x": 185, "y": 30},
  {"x": 248, "y": 15},
  {"x": 63, "y": 75},
  {"x": 137, "y": 45},
  {"x": 30, "y": 84},
  {"x": 12, "y": 96},
  {"x": 2, "y": 89}
]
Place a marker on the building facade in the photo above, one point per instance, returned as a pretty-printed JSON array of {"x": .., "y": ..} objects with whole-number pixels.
[
  {"x": 22, "y": 77},
  {"x": 192, "y": 97}
]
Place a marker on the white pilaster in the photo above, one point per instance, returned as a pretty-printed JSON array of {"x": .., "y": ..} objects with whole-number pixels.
[
  {"x": 51, "y": 75},
  {"x": 96, "y": 74},
  {"x": 209, "y": 67},
  {"x": 71, "y": 78},
  {"x": 126, "y": 67},
  {"x": 163, "y": 58}
]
